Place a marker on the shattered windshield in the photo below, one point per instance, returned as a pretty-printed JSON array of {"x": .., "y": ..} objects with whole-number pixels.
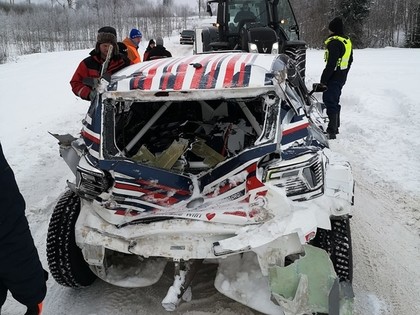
[{"x": 188, "y": 135}]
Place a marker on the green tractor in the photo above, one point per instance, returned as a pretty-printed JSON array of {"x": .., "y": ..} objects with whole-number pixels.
[{"x": 259, "y": 26}]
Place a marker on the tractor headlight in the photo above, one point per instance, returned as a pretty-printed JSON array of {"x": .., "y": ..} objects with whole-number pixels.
[
  {"x": 275, "y": 48},
  {"x": 253, "y": 48}
]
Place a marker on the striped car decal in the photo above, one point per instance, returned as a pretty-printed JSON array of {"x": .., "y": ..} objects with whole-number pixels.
[
  {"x": 91, "y": 129},
  {"x": 295, "y": 131},
  {"x": 234, "y": 165},
  {"x": 196, "y": 72},
  {"x": 230, "y": 181},
  {"x": 142, "y": 191}
]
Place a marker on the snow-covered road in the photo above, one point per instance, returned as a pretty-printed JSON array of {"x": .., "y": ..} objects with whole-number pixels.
[{"x": 380, "y": 135}]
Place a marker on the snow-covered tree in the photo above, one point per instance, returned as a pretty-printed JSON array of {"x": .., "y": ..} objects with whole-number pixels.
[
  {"x": 413, "y": 32},
  {"x": 354, "y": 14}
]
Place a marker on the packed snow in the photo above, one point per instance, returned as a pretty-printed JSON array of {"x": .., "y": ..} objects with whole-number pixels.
[{"x": 379, "y": 134}]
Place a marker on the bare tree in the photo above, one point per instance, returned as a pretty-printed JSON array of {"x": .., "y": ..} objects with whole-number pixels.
[{"x": 72, "y": 24}]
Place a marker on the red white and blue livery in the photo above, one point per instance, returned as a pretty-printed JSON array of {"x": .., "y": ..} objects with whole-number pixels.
[{"x": 218, "y": 157}]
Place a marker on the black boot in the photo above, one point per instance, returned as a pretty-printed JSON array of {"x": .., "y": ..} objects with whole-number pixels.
[
  {"x": 332, "y": 129},
  {"x": 34, "y": 309}
]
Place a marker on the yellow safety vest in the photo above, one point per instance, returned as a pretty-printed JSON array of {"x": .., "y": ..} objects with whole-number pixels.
[{"x": 342, "y": 62}]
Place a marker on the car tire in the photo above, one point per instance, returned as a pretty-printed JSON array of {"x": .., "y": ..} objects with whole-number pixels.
[
  {"x": 65, "y": 258},
  {"x": 337, "y": 243}
]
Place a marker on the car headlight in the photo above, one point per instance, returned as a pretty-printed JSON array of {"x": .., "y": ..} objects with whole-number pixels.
[
  {"x": 301, "y": 177},
  {"x": 90, "y": 181}
]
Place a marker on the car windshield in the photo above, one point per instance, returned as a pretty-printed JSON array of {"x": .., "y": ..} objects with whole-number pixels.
[
  {"x": 187, "y": 33},
  {"x": 187, "y": 136}
]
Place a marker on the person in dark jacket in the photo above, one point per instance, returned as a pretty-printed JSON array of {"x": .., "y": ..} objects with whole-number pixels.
[
  {"x": 244, "y": 14},
  {"x": 21, "y": 271},
  {"x": 159, "y": 51},
  {"x": 149, "y": 47},
  {"x": 91, "y": 66},
  {"x": 122, "y": 48},
  {"x": 338, "y": 58}
]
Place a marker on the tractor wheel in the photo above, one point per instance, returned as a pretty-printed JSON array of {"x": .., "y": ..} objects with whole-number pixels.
[{"x": 298, "y": 54}]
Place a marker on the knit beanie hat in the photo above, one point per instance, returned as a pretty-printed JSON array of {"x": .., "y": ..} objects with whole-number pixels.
[
  {"x": 159, "y": 41},
  {"x": 336, "y": 26},
  {"x": 107, "y": 34},
  {"x": 135, "y": 33}
]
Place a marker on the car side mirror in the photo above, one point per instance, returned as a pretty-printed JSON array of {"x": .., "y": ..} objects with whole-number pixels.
[{"x": 318, "y": 88}]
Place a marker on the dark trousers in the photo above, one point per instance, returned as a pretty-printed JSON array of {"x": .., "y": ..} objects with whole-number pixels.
[
  {"x": 21, "y": 271},
  {"x": 331, "y": 97}
]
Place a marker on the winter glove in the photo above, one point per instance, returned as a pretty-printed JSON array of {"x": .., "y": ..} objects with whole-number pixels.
[
  {"x": 92, "y": 95},
  {"x": 323, "y": 86}
]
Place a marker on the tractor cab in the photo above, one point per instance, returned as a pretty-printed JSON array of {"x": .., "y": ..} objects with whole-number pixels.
[
  {"x": 241, "y": 23},
  {"x": 257, "y": 26}
]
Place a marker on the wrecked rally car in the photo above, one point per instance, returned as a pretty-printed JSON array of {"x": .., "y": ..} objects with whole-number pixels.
[{"x": 216, "y": 158}]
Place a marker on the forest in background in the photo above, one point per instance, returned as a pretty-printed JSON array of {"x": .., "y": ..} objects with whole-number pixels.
[{"x": 72, "y": 24}]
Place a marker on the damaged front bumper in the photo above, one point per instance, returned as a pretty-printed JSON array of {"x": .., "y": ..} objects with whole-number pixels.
[
  {"x": 307, "y": 285},
  {"x": 310, "y": 285},
  {"x": 290, "y": 276}
]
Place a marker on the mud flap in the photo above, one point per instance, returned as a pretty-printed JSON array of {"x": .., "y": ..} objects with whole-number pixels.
[
  {"x": 341, "y": 298},
  {"x": 239, "y": 277},
  {"x": 310, "y": 285},
  {"x": 133, "y": 273}
]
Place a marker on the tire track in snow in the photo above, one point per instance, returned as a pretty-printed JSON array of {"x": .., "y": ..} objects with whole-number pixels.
[{"x": 385, "y": 251}]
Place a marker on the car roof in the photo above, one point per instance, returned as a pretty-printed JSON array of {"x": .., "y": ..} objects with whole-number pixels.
[{"x": 204, "y": 75}]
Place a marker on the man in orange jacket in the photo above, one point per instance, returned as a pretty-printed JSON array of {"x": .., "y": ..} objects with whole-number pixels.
[{"x": 132, "y": 42}]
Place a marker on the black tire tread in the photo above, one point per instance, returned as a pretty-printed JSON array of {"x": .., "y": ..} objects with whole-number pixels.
[
  {"x": 298, "y": 54},
  {"x": 337, "y": 243},
  {"x": 65, "y": 259}
]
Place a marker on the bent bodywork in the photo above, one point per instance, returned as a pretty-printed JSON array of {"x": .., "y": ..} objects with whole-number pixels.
[{"x": 218, "y": 158}]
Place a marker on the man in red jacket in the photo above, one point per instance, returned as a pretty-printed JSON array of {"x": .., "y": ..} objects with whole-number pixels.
[{"x": 91, "y": 66}]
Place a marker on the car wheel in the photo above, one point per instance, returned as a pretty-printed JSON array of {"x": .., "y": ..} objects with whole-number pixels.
[{"x": 65, "y": 258}]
